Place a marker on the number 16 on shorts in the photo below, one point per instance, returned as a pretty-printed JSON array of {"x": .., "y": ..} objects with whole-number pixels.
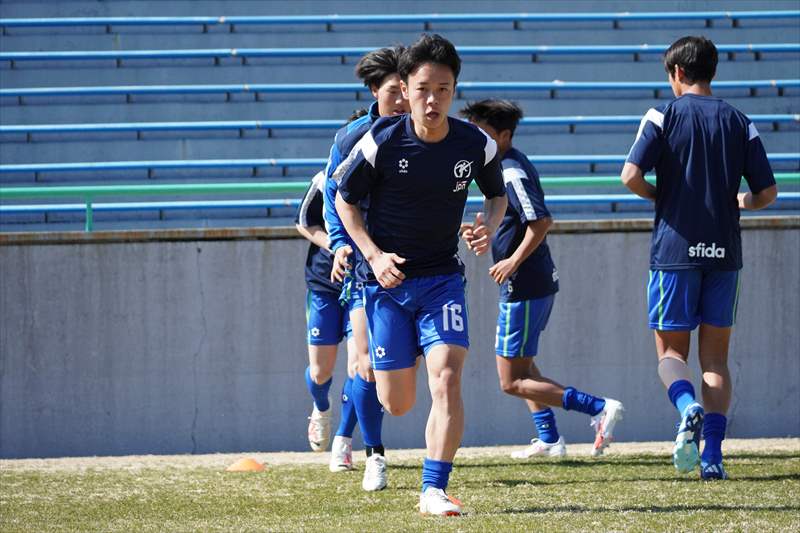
[{"x": 451, "y": 318}]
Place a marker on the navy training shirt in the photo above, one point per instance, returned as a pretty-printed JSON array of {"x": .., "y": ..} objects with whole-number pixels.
[
  {"x": 319, "y": 261},
  {"x": 536, "y": 277},
  {"x": 700, "y": 147},
  {"x": 418, "y": 190}
]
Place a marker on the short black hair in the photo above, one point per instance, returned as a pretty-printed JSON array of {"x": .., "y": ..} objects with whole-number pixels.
[
  {"x": 499, "y": 114},
  {"x": 429, "y": 49},
  {"x": 357, "y": 114},
  {"x": 376, "y": 65},
  {"x": 696, "y": 55}
]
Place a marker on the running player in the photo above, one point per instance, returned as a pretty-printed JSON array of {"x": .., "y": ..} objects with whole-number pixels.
[
  {"x": 528, "y": 283},
  {"x": 416, "y": 169},
  {"x": 378, "y": 70},
  {"x": 700, "y": 147}
]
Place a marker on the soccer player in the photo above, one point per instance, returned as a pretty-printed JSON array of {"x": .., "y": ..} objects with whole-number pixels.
[
  {"x": 528, "y": 283},
  {"x": 416, "y": 169},
  {"x": 378, "y": 70},
  {"x": 700, "y": 147}
]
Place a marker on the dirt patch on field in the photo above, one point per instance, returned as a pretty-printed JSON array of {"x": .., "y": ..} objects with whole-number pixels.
[{"x": 221, "y": 461}]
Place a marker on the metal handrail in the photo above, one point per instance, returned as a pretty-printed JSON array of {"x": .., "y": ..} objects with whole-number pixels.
[
  {"x": 373, "y": 19},
  {"x": 89, "y": 193},
  {"x": 556, "y": 85},
  {"x": 325, "y": 124},
  {"x": 217, "y": 53}
]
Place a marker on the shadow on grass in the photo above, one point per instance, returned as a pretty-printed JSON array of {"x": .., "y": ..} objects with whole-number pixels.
[
  {"x": 691, "y": 478},
  {"x": 650, "y": 509}
]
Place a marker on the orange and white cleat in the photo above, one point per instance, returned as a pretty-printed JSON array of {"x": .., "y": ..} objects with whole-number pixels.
[
  {"x": 604, "y": 423},
  {"x": 436, "y": 502}
]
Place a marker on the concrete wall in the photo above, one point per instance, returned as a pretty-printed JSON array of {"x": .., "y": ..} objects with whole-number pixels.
[{"x": 193, "y": 342}]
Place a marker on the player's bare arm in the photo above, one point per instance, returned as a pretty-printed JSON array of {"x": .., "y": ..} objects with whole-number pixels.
[
  {"x": 759, "y": 200},
  {"x": 316, "y": 234},
  {"x": 534, "y": 235},
  {"x": 384, "y": 265},
  {"x": 633, "y": 179}
]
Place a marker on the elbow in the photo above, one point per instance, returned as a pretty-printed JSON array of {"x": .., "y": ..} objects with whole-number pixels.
[{"x": 770, "y": 195}]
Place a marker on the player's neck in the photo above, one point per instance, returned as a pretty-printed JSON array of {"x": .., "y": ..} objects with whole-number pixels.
[
  {"x": 431, "y": 135},
  {"x": 697, "y": 89}
]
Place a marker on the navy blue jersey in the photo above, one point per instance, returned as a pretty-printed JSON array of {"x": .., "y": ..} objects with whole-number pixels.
[
  {"x": 700, "y": 147},
  {"x": 536, "y": 277},
  {"x": 318, "y": 261},
  {"x": 343, "y": 143},
  {"x": 418, "y": 190}
]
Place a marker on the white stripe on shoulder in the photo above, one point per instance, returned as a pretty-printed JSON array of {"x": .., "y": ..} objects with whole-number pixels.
[
  {"x": 654, "y": 116},
  {"x": 490, "y": 149},
  {"x": 366, "y": 145},
  {"x": 752, "y": 132},
  {"x": 316, "y": 186},
  {"x": 525, "y": 202},
  {"x": 511, "y": 172}
]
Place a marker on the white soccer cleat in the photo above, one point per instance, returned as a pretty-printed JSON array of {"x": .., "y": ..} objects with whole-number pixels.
[
  {"x": 436, "y": 502},
  {"x": 319, "y": 429},
  {"x": 374, "y": 473},
  {"x": 538, "y": 448},
  {"x": 604, "y": 423},
  {"x": 341, "y": 454},
  {"x": 686, "y": 453}
]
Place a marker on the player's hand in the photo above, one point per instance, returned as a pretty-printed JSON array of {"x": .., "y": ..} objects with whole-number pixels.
[
  {"x": 384, "y": 266},
  {"x": 340, "y": 263},
  {"x": 477, "y": 237},
  {"x": 502, "y": 270}
]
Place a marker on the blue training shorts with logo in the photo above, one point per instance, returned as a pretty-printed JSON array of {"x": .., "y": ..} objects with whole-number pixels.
[
  {"x": 352, "y": 292},
  {"x": 680, "y": 300},
  {"x": 327, "y": 319},
  {"x": 418, "y": 314},
  {"x": 519, "y": 325}
]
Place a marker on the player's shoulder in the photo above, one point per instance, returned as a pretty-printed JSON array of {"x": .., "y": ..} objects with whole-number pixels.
[
  {"x": 348, "y": 135},
  {"x": 468, "y": 130},
  {"x": 516, "y": 165},
  {"x": 318, "y": 181}
]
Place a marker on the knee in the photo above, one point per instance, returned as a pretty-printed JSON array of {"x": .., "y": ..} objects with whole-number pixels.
[
  {"x": 446, "y": 385},
  {"x": 397, "y": 406},
  {"x": 318, "y": 374},
  {"x": 508, "y": 385}
]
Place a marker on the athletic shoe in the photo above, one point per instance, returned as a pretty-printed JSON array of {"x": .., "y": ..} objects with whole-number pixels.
[
  {"x": 374, "y": 473},
  {"x": 341, "y": 454},
  {"x": 540, "y": 448},
  {"x": 319, "y": 429},
  {"x": 712, "y": 471},
  {"x": 436, "y": 502},
  {"x": 603, "y": 423},
  {"x": 686, "y": 453}
]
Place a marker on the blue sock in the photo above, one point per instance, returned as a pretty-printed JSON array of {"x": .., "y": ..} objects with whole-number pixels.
[
  {"x": 714, "y": 433},
  {"x": 348, "y": 420},
  {"x": 369, "y": 410},
  {"x": 318, "y": 392},
  {"x": 435, "y": 474},
  {"x": 681, "y": 394},
  {"x": 575, "y": 400},
  {"x": 545, "y": 421}
]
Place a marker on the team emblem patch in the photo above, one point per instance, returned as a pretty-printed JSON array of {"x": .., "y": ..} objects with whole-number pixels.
[
  {"x": 403, "y": 166},
  {"x": 462, "y": 169},
  {"x": 380, "y": 352},
  {"x": 315, "y": 332}
]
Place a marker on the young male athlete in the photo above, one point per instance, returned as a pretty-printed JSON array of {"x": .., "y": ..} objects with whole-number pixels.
[
  {"x": 416, "y": 169},
  {"x": 528, "y": 283},
  {"x": 378, "y": 70},
  {"x": 700, "y": 147}
]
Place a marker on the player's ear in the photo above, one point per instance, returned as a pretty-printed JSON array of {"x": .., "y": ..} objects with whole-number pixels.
[
  {"x": 374, "y": 90},
  {"x": 404, "y": 89}
]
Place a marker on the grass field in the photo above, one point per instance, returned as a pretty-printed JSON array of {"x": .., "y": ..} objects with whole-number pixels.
[{"x": 633, "y": 488}]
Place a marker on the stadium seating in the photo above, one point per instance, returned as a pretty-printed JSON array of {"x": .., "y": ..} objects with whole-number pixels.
[{"x": 172, "y": 93}]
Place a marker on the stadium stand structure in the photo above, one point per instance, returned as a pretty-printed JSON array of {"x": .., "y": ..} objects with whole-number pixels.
[{"x": 100, "y": 93}]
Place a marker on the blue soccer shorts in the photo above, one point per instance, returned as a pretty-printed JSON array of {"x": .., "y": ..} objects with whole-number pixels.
[
  {"x": 352, "y": 292},
  {"x": 680, "y": 300},
  {"x": 519, "y": 325},
  {"x": 417, "y": 315},
  {"x": 327, "y": 319}
]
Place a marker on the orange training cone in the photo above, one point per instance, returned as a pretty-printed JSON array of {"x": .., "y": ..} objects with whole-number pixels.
[{"x": 246, "y": 465}]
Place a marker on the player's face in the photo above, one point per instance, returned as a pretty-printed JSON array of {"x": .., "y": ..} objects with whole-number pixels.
[
  {"x": 430, "y": 91},
  {"x": 390, "y": 97}
]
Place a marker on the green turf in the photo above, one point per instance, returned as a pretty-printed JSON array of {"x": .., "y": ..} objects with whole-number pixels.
[{"x": 632, "y": 492}]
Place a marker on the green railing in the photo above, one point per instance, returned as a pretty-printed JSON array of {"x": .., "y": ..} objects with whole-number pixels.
[{"x": 89, "y": 193}]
